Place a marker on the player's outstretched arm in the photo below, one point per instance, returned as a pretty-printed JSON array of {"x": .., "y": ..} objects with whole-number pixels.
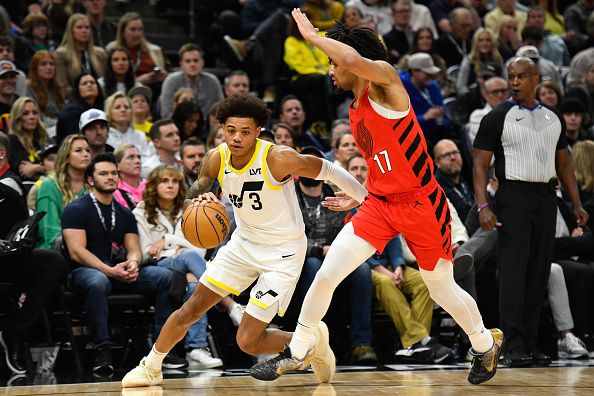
[
  {"x": 285, "y": 162},
  {"x": 208, "y": 174}
]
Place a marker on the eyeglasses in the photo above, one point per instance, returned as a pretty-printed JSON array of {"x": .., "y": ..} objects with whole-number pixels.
[
  {"x": 451, "y": 154},
  {"x": 497, "y": 92}
]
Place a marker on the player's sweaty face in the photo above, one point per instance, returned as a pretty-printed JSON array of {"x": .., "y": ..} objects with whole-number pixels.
[{"x": 241, "y": 134}]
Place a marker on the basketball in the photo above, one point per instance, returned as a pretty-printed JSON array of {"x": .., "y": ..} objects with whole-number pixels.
[{"x": 205, "y": 224}]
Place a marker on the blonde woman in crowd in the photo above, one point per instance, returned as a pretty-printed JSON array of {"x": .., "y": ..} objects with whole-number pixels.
[
  {"x": 582, "y": 157},
  {"x": 482, "y": 51}
]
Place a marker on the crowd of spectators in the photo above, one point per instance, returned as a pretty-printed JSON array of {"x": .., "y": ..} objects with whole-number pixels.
[{"x": 99, "y": 130}]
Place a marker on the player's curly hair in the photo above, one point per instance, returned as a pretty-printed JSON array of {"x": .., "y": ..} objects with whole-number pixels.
[
  {"x": 364, "y": 40},
  {"x": 243, "y": 105}
]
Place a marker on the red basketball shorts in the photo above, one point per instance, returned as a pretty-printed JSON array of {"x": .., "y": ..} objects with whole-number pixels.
[{"x": 423, "y": 219}]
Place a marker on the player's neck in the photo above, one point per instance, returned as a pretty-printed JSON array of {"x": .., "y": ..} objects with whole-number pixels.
[
  {"x": 359, "y": 88},
  {"x": 239, "y": 162}
]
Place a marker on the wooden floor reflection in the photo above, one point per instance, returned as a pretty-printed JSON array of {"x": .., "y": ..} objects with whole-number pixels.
[{"x": 533, "y": 381}]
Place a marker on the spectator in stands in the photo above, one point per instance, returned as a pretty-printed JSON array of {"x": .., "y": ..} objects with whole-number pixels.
[
  {"x": 206, "y": 86},
  {"x": 148, "y": 61},
  {"x": 421, "y": 17},
  {"x": 323, "y": 14},
  {"x": 38, "y": 272},
  {"x": 7, "y": 176},
  {"x": 101, "y": 238},
  {"x": 77, "y": 54},
  {"x": 183, "y": 95},
  {"x": 548, "y": 93},
  {"x": 339, "y": 126},
  {"x": 582, "y": 157},
  {"x": 27, "y": 137},
  {"x": 483, "y": 50},
  {"x": 423, "y": 41},
  {"x": 44, "y": 89},
  {"x": 454, "y": 46},
  {"x": 378, "y": 11},
  {"x": 237, "y": 81},
  {"x": 58, "y": 13},
  {"x": 357, "y": 167},
  {"x": 191, "y": 154},
  {"x": 162, "y": 242},
  {"x": 551, "y": 46},
  {"x": 36, "y": 31},
  {"x": 8, "y": 76},
  {"x": 546, "y": 68},
  {"x": 321, "y": 227},
  {"x": 494, "y": 18},
  {"x": 94, "y": 126},
  {"x": 508, "y": 37},
  {"x": 189, "y": 120},
  {"x": 119, "y": 114},
  {"x": 165, "y": 137},
  {"x": 141, "y": 97},
  {"x": 344, "y": 148},
  {"x": 215, "y": 137},
  {"x": 580, "y": 68},
  {"x": 104, "y": 30},
  {"x": 399, "y": 39},
  {"x": 495, "y": 91},
  {"x": 284, "y": 134},
  {"x": 575, "y": 116},
  {"x": 85, "y": 95},
  {"x": 118, "y": 73},
  {"x": 441, "y": 12},
  {"x": 7, "y": 53},
  {"x": 425, "y": 97},
  {"x": 130, "y": 183},
  {"x": 292, "y": 114},
  {"x": 353, "y": 17},
  {"x": 20, "y": 51},
  {"x": 575, "y": 18},
  {"x": 65, "y": 184}
]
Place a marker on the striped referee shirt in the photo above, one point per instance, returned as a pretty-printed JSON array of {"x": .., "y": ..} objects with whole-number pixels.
[{"x": 524, "y": 141}]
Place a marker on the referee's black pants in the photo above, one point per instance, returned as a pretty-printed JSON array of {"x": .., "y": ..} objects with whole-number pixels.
[{"x": 527, "y": 212}]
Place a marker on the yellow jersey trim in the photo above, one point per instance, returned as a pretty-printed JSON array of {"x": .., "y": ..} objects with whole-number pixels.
[
  {"x": 222, "y": 285},
  {"x": 250, "y": 163},
  {"x": 258, "y": 303},
  {"x": 265, "y": 170},
  {"x": 222, "y": 166}
]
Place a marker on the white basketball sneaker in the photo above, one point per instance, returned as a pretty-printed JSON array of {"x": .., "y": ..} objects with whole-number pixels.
[
  {"x": 141, "y": 375},
  {"x": 321, "y": 357}
]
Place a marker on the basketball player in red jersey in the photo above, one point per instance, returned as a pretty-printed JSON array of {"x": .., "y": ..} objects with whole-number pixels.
[{"x": 403, "y": 198}]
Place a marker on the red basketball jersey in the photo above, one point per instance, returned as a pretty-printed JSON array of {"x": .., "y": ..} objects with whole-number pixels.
[{"x": 395, "y": 149}]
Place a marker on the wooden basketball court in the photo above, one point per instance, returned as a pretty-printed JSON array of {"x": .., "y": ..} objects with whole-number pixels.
[{"x": 528, "y": 381}]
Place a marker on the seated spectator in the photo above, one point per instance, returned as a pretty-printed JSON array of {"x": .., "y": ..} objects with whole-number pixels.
[
  {"x": 7, "y": 48},
  {"x": 575, "y": 116},
  {"x": 344, "y": 148},
  {"x": 454, "y": 46},
  {"x": 582, "y": 158},
  {"x": 575, "y": 18},
  {"x": 215, "y": 137},
  {"x": 7, "y": 176},
  {"x": 423, "y": 41},
  {"x": 324, "y": 14},
  {"x": 377, "y": 11},
  {"x": 284, "y": 134},
  {"x": 119, "y": 114},
  {"x": 119, "y": 76},
  {"x": 339, "y": 126},
  {"x": 483, "y": 51},
  {"x": 551, "y": 45},
  {"x": 494, "y": 18},
  {"x": 399, "y": 39},
  {"x": 292, "y": 113},
  {"x": 159, "y": 229},
  {"x": 104, "y": 30},
  {"x": 39, "y": 273},
  {"x": 191, "y": 154},
  {"x": 141, "y": 97},
  {"x": 36, "y": 30},
  {"x": 165, "y": 137},
  {"x": 206, "y": 86},
  {"x": 546, "y": 68},
  {"x": 85, "y": 96},
  {"x": 93, "y": 227},
  {"x": 27, "y": 138},
  {"x": 43, "y": 87},
  {"x": 237, "y": 81},
  {"x": 94, "y": 126},
  {"x": 321, "y": 227},
  {"x": 62, "y": 186},
  {"x": 189, "y": 120},
  {"x": 8, "y": 77},
  {"x": 353, "y": 17},
  {"x": 580, "y": 69},
  {"x": 183, "y": 95},
  {"x": 148, "y": 61},
  {"x": 495, "y": 91},
  {"x": 548, "y": 93},
  {"x": 77, "y": 54},
  {"x": 420, "y": 17},
  {"x": 130, "y": 184},
  {"x": 508, "y": 37},
  {"x": 58, "y": 13}
]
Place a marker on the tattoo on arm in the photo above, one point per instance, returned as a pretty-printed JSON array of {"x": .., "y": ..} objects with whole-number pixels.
[{"x": 205, "y": 181}]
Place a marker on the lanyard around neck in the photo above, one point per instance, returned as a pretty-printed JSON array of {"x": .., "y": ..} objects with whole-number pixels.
[{"x": 113, "y": 217}]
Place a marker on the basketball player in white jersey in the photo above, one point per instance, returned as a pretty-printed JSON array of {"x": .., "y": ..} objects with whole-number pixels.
[{"x": 269, "y": 243}]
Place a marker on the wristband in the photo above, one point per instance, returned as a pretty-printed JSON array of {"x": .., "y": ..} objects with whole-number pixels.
[{"x": 482, "y": 206}]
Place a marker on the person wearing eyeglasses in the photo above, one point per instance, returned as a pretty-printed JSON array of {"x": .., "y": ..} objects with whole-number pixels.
[{"x": 496, "y": 91}]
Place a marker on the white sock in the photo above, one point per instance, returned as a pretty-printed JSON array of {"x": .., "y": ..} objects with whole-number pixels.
[
  {"x": 154, "y": 360},
  {"x": 425, "y": 340},
  {"x": 303, "y": 339}
]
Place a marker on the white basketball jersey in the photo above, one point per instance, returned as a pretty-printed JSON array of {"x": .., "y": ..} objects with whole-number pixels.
[{"x": 266, "y": 211}]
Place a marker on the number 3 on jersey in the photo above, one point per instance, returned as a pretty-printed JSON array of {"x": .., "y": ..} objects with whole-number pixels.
[{"x": 386, "y": 159}]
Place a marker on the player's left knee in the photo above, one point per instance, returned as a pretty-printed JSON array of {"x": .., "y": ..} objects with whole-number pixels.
[{"x": 248, "y": 340}]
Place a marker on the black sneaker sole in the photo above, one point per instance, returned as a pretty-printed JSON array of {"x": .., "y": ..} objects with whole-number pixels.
[
  {"x": 6, "y": 358},
  {"x": 478, "y": 381}
]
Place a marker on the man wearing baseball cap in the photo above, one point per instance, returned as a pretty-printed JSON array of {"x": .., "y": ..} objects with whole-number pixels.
[
  {"x": 425, "y": 97},
  {"x": 94, "y": 126},
  {"x": 8, "y": 76}
]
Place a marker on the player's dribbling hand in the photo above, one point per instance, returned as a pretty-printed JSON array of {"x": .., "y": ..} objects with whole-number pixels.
[
  {"x": 488, "y": 219},
  {"x": 341, "y": 202},
  {"x": 208, "y": 197},
  {"x": 306, "y": 29}
]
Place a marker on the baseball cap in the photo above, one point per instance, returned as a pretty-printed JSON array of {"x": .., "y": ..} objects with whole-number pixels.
[
  {"x": 490, "y": 69},
  {"x": 53, "y": 149},
  {"x": 7, "y": 67},
  {"x": 140, "y": 89},
  {"x": 528, "y": 51},
  {"x": 90, "y": 116},
  {"x": 423, "y": 62}
]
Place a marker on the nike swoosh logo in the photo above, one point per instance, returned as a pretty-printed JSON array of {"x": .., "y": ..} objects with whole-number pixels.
[
  {"x": 2, "y": 199},
  {"x": 520, "y": 119},
  {"x": 288, "y": 255},
  {"x": 227, "y": 171}
]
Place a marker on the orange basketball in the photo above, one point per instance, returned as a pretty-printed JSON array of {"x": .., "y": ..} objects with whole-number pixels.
[{"x": 205, "y": 224}]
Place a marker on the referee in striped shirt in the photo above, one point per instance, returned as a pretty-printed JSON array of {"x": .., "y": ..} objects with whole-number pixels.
[{"x": 528, "y": 141}]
